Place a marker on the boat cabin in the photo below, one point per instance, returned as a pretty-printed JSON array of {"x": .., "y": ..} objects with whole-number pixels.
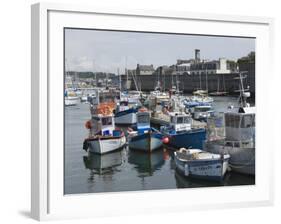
[
  {"x": 103, "y": 124},
  {"x": 122, "y": 105},
  {"x": 180, "y": 122},
  {"x": 202, "y": 112},
  {"x": 205, "y": 108},
  {"x": 239, "y": 126},
  {"x": 143, "y": 121}
]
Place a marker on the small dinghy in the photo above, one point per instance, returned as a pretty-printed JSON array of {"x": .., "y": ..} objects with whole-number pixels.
[{"x": 201, "y": 164}]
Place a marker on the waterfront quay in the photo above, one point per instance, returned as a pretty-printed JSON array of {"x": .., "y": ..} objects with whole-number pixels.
[{"x": 189, "y": 83}]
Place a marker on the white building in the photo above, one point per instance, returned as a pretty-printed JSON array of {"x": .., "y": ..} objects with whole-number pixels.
[{"x": 221, "y": 66}]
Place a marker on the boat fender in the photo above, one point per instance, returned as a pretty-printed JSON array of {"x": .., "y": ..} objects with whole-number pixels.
[{"x": 166, "y": 140}]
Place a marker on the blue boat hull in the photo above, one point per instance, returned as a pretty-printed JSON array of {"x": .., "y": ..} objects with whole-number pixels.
[
  {"x": 190, "y": 139},
  {"x": 146, "y": 142}
]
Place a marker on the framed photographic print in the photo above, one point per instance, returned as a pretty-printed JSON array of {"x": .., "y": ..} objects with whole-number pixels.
[{"x": 163, "y": 110}]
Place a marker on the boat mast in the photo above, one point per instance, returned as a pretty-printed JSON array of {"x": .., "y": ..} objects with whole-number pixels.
[
  {"x": 243, "y": 96},
  {"x": 119, "y": 76},
  {"x": 223, "y": 80},
  {"x": 242, "y": 90},
  {"x": 135, "y": 81},
  {"x": 126, "y": 72},
  {"x": 164, "y": 80},
  {"x": 200, "y": 81},
  {"x": 173, "y": 78},
  {"x": 218, "y": 88},
  {"x": 206, "y": 79}
]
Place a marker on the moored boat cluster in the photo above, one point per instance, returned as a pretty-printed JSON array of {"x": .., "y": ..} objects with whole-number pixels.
[{"x": 206, "y": 144}]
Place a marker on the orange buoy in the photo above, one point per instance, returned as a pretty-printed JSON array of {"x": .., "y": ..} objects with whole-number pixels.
[
  {"x": 165, "y": 140},
  {"x": 88, "y": 124}
]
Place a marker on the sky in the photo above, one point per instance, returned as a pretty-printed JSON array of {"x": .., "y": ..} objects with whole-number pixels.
[{"x": 110, "y": 51}]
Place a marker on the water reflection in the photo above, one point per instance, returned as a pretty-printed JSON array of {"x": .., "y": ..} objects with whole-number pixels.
[
  {"x": 230, "y": 179},
  {"x": 103, "y": 164},
  {"x": 146, "y": 163}
]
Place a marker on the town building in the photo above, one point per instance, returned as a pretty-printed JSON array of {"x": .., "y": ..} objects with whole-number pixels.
[
  {"x": 221, "y": 66},
  {"x": 145, "y": 69}
]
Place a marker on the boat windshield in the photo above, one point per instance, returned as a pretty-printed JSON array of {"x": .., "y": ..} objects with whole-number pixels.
[
  {"x": 248, "y": 121},
  {"x": 124, "y": 103},
  {"x": 232, "y": 120},
  {"x": 202, "y": 109},
  {"x": 106, "y": 121},
  {"x": 143, "y": 118},
  {"x": 183, "y": 120}
]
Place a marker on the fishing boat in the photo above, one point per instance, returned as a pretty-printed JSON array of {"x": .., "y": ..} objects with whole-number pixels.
[
  {"x": 180, "y": 133},
  {"x": 200, "y": 92},
  {"x": 71, "y": 98},
  {"x": 145, "y": 138},
  {"x": 200, "y": 164},
  {"x": 71, "y": 93},
  {"x": 219, "y": 92},
  {"x": 237, "y": 134},
  {"x": 202, "y": 112},
  {"x": 87, "y": 94},
  {"x": 103, "y": 137},
  {"x": 125, "y": 114},
  {"x": 194, "y": 101},
  {"x": 201, "y": 99}
]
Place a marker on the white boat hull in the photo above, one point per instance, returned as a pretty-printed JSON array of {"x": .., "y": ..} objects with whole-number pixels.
[
  {"x": 71, "y": 100},
  {"x": 242, "y": 160},
  {"x": 209, "y": 170},
  {"x": 201, "y": 115},
  {"x": 105, "y": 145}
]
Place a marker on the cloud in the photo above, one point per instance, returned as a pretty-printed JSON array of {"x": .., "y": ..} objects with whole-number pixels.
[
  {"x": 79, "y": 64},
  {"x": 108, "y": 51}
]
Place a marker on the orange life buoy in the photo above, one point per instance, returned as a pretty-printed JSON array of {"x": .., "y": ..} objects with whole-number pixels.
[{"x": 88, "y": 124}]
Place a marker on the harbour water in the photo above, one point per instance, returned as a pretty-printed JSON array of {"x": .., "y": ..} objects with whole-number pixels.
[{"x": 126, "y": 170}]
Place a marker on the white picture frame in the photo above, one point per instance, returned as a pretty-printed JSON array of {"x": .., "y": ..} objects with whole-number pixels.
[{"x": 48, "y": 200}]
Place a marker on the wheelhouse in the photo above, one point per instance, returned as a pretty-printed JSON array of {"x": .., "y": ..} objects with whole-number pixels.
[
  {"x": 103, "y": 124},
  {"x": 239, "y": 126},
  {"x": 143, "y": 121},
  {"x": 180, "y": 122}
]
